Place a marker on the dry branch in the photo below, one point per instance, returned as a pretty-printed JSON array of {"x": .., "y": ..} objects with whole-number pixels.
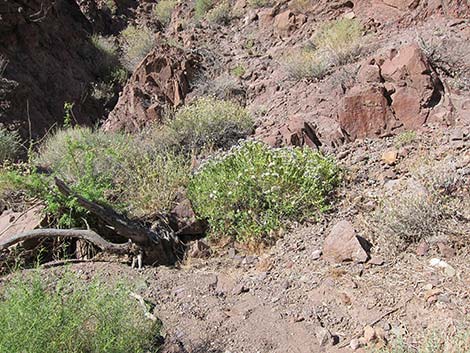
[{"x": 87, "y": 235}]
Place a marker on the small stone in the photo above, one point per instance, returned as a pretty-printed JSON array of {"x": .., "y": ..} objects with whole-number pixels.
[
  {"x": 435, "y": 262},
  {"x": 457, "y": 135},
  {"x": 422, "y": 248},
  {"x": 316, "y": 254},
  {"x": 449, "y": 271},
  {"x": 380, "y": 333},
  {"x": 349, "y": 15},
  {"x": 428, "y": 287},
  {"x": 445, "y": 250},
  {"x": 390, "y": 157},
  {"x": 386, "y": 326},
  {"x": 239, "y": 289},
  {"x": 376, "y": 260},
  {"x": 369, "y": 334},
  {"x": 354, "y": 344},
  {"x": 324, "y": 336}
]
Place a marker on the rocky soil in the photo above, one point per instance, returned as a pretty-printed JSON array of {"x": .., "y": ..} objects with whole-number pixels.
[{"x": 332, "y": 286}]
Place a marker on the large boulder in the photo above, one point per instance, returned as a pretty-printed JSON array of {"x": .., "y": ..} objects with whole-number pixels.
[{"x": 162, "y": 79}]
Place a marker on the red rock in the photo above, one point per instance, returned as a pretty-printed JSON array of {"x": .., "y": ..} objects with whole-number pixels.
[
  {"x": 364, "y": 112},
  {"x": 161, "y": 79},
  {"x": 342, "y": 244},
  {"x": 445, "y": 250},
  {"x": 285, "y": 21},
  {"x": 422, "y": 248}
]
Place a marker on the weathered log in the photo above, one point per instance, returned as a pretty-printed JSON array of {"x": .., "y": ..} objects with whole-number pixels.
[
  {"x": 87, "y": 235},
  {"x": 159, "y": 245}
]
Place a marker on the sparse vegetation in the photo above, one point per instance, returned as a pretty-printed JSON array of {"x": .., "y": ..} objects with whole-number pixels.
[
  {"x": 259, "y": 3},
  {"x": 111, "y": 5},
  {"x": 300, "y": 6},
  {"x": 220, "y": 13},
  {"x": 253, "y": 190},
  {"x": 405, "y": 138},
  {"x": 341, "y": 39},
  {"x": 238, "y": 71},
  {"x": 209, "y": 122},
  {"x": 163, "y": 10},
  {"x": 202, "y": 7},
  {"x": 137, "y": 43},
  {"x": 307, "y": 64},
  {"x": 72, "y": 316},
  {"x": 9, "y": 144}
]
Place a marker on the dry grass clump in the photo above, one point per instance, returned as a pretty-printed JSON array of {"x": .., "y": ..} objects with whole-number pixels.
[
  {"x": 433, "y": 209},
  {"x": 220, "y": 13},
  {"x": 307, "y": 64},
  {"x": 163, "y": 10},
  {"x": 137, "y": 43},
  {"x": 9, "y": 144}
]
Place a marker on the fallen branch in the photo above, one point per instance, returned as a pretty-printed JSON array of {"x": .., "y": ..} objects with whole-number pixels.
[{"x": 87, "y": 235}]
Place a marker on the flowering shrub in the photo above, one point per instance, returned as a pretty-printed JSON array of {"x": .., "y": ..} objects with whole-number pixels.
[{"x": 253, "y": 189}]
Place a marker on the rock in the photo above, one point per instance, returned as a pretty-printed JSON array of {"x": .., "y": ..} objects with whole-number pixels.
[
  {"x": 199, "y": 249},
  {"x": 369, "y": 73},
  {"x": 354, "y": 344},
  {"x": 184, "y": 220},
  {"x": 364, "y": 112},
  {"x": 342, "y": 244},
  {"x": 239, "y": 289},
  {"x": 316, "y": 254},
  {"x": 285, "y": 21},
  {"x": 445, "y": 250},
  {"x": 369, "y": 334},
  {"x": 449, "y": 271},
  {"x": 161, "y": 80},
  {"x": 390, "y": 157},
  {"x": 324, "y": 336},
  {"x": 422, "y": 248},
  {"x": 12, "y": 223},
  {"x": 376, "y": 260},
  {"x": 457, "y": 135}
]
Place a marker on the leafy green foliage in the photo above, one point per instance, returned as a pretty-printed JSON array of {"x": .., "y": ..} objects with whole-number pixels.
[
  {"x": 137, "y": 43},
  {"x": 9, "y": 144},
  {"x": 209, "y": 122},
  {"x": 253, "y": 189},
  {"x": 163, "y": 10},
  {"x": 72, "y": 316},
  {"x": 238, "y": 71}
]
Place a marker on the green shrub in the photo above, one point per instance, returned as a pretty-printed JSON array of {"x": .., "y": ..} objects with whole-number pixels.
[
  {"x": 137, "y": 43},
  {"x": 253, "y": 189},
  {"x": 202, "y": 7},
  {"x": 9, "y": 144},
  {"x": 341, "y": 39},
  {"x": 163, "y": 10},
  {"x": 220, "y": 13},
  {"x": 131, "y": 173},
  {"x": 259, "y": 3},
  {"x": 405, "y": 138},
  {"x": 209, "y": 122},
  {"x": 238, "y": 71},
  {"x": 111, "y": 5},
  {"x": 306, "y": 64},
  {"x": 72, "y": 316}
]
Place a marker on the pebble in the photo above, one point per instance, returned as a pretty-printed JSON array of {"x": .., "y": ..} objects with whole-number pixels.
[{"x": 316, "y": 254}]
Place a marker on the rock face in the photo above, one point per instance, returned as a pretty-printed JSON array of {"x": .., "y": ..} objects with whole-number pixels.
[
  {"x": 161, "y": 80},
  {"x": 342, "y": 244},
  {"x": 397, "y": 91},
  {"x": 50, "y": 61}
]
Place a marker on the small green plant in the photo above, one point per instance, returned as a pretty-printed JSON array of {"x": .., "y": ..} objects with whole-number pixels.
[
  {"x": 238, "y": 71},
  {"x": 341, "y": 39},
  {"x": 405, "y": 138},
  {"x": 137, "y": 43},
  {"x": 9, "y": 144},
  {"x": 220, "y": 13},
  {"x": 202, "y": 7},
  {"x": 72, "y": 316},
  {"x": 306, "y": 64},
  {"x": 163, "y": 10},
  {"x": 259, "y": 3},
  {"x": 68, "y": 114},
  {"x": 209, "y": 122},
  {"x": 111, "y": 5},
  {"x": 253, "y": 189}
]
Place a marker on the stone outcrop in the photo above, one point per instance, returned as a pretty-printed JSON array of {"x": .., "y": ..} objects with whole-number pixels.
[
  {"x": 50, "y": 61},
  {"x": 162, "y": 80},
  {"x": 397, "y": 91},
  {"x": 342, "y": 244}
]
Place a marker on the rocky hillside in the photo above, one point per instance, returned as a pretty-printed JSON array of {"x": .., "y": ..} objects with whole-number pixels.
[{"x": 135, "y": 112}]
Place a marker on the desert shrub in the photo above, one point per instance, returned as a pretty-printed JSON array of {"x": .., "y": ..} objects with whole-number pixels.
[
  {"x": 107, "y": 58},
  {"x": 131, "y": 173},
  {"x": 220, "y": 13},
  {"x": 429, "y": 210},
  {"x": 405, "y": 138},
  {"x": 137, "y": 43},
  {"x": 163, "y": 10},
  {"x": 202, "y": 7},
  {"x": 111, "y": 5},
  {"x": 253, "y": 189},
  {"x": 300, "y": 6},
  {"x": 306, "y": 64},
  {"x": 238, "y": 71},
  {"x": 259, "y": 3},
  {"x": 72, "y": 316},
  {"x": 9, "y": 144},
  {"x": 209, "y": 122},
  {"x": 341, "y": 39}
]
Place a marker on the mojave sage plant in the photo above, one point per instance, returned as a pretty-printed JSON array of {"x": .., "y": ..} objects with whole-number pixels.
[{"x": 253, "y": 189}]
